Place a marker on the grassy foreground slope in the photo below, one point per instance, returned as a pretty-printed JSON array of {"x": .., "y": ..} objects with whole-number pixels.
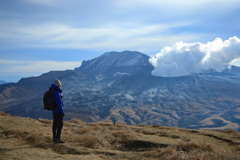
[{"x": 25, "y": 138}]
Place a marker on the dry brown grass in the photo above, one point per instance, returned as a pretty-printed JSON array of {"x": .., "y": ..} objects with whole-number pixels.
[
  {"x": 38, "y": 140},
  {"x": 75, "y": 120},
  {"x": 106, "y": 141},
  {"x": 190, "y": 146},
  {"x": 228, "y": 131},
  {"x": 4, "y": 114},
  {"x": 44, "y": 121}
]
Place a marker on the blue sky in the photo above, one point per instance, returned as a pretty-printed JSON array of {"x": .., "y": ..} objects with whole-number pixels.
[{"x": 37, "y": 36}]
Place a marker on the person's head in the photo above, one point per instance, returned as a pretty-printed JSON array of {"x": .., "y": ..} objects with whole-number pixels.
[{"x": 57, "y": 83}]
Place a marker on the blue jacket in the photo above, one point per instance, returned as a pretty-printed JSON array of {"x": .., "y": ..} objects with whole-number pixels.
[{"x": 57, "y": 99}]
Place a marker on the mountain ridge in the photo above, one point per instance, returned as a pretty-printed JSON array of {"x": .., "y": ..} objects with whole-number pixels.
[
  {"x": 113, "y": 59},
  {"x": 3, "y": 82},
  {"x": 102, "y": 89}
]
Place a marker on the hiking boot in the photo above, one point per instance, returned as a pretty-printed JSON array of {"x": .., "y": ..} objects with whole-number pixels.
[
  {"x": 58, "y": 141},
  {"x": 54, "y": 140}
]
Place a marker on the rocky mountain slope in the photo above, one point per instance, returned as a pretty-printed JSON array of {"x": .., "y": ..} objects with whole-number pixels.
[
  {"x": 114, "y": 61},
  {"x": 119, "y": 86}
]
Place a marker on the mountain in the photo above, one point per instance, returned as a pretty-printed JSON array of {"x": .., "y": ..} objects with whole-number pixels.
[
  {"x": 2, "y": 82},
  {"x": 115, "y": 61},
  {"x": 119, "y": 86}
]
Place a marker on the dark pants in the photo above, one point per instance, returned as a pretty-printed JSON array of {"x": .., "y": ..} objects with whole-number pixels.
[{"x": 57, "y": 125}]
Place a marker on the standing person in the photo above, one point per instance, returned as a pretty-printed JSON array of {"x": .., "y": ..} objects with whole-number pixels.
[{"x": 58, "y": 113}]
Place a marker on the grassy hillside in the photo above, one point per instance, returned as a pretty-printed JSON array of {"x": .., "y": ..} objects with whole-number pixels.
[{"x": 25, "y": 138}]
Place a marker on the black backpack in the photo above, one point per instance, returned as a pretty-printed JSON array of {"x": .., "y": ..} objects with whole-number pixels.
[{"x": 48, "y": 101}]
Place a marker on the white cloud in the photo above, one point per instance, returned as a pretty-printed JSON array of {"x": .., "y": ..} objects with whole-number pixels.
[
  {"x": 188, "y": 58},
  {"x": 43, "y": 2},
  {"x": 114, "y": 37},
  {"x": 18, "y": 67},
  {"x": 184, "y": 8},
  {"x": 180, "y": 4},
  {"x": 114, "y": 25},
  {"x": 235, "y": 62}
]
